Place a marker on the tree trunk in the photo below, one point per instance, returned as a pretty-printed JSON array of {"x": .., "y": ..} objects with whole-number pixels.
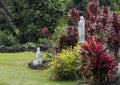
[{"x": 4, "y": 11}]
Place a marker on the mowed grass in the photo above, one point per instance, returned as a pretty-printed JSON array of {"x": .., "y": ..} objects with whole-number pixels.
[{"x": 14, "y": 71}]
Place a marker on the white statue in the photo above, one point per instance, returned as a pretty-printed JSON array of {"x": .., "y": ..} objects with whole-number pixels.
[
  {"x": 81, "y": 30},
  {"x": 38, "y": 57},
  {"x": 118, "y": 69}
]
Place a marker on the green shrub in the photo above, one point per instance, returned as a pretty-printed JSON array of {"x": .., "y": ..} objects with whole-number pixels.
[
  {"x": 41, "y": 41},
  {"x": 29, "y": 45},
  {"x": 31, "y": 16},
  {"x": 60, "y": 30},
  {"x": 7, "y": 40},
  {"x": 62, "y": 67}
]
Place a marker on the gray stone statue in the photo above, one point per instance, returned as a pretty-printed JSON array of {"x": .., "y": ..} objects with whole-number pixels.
[
  {"x": 81, "y": 30},
  {"x": 38, "y": 57}
]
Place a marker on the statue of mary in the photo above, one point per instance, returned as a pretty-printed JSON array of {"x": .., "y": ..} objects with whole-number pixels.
[{"x": 81, "y": 30}]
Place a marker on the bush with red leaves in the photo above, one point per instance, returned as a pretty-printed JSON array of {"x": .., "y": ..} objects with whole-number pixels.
[
  {"x": 68, "y": 40},
  {"x": 114, "y": 34},
  {"x": 103, "y": 25},
  {"x": 71, "y": 38},
  {"x": 73, "y": 15},
  {"x": 98, "y": 64},
  {"x": 96, "y": 21}
]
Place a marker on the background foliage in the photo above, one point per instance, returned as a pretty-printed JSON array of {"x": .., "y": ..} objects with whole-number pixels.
[
  {"x": 25, "y": 18},
  {"x": 30, "y": 16}
]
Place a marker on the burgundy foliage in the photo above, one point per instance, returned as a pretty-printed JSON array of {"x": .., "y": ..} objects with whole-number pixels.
[
  {"x": 103, "y": 25},
  {"x": 98, "y": 62},
  {"x": 105, "y": 9},
  {"x": 68, "y": 40},
  {"x": 73, "y": 15},
  {"x": 93, "y": 8},
  {"x": 114, "y": 34},
  {"x": 95, "y": 20},
  {"x": 98, "y": 22}
]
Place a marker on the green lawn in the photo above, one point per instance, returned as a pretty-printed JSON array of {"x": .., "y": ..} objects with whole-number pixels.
[{"x": 14, "y": 71}]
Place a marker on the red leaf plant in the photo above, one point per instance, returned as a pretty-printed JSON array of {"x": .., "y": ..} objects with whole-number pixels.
[
  {"x": 105, "y": 9},
  {"x": 68, "y": 40},
  {"x": 97, "y": 63},
  {"x": 73, "y": 15},
  {"x": 93, "y": 8},
  {"x": 114, "y": 34},
  {"x": 101, "y": 23},
  {"x": 104, "y": 25},
  {"x": 96, "y": 20}
]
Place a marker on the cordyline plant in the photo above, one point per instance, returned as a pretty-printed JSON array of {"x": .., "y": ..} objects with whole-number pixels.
[
  {"x": 106, "y": 26},
  {"x": 114, "y": 34},
  {"x": 100, "y": 23},
  {"x": 96, "y": 20},
  {"x": 74, "y": 15},
  {"x": 97, "y": 64},
  {"x": 68, "y": 40}
]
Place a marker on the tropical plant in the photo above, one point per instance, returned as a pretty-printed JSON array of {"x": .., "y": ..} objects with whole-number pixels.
[
  {"x": 62, "y": 67},
  {"x": 97, "y": 64},
  {"x": 48, "y": 42},
  {"x": 95, "y": 22},
  {"x": 74, "y": 15},
  {"x": 7, "y": 40},
  {"x": 114, "y": 34},
  {"x": 104, "y": 25},
  {"x": 47, "y": 14},
  {"x": 26, "y": 18},
  {"x": 59, "y": 31},
  {"x": 68, "y": 40}
]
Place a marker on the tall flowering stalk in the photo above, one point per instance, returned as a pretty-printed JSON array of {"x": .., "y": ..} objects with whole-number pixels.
[
  {"x": 46, "y": 35},
  {"x": 48, "y": 42},
  {"x": 45, "y": 32}
]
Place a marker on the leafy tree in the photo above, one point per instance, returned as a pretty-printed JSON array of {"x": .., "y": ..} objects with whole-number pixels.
[
  {"x": 113, "y": 4},
  {"x": 5, "y": 17},
  {"x": 30, "y": 17}
]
